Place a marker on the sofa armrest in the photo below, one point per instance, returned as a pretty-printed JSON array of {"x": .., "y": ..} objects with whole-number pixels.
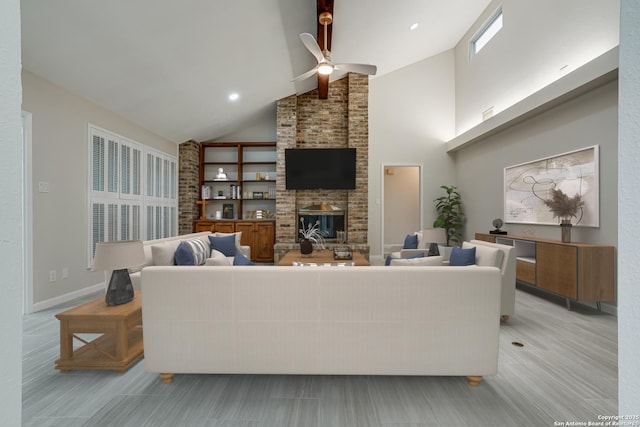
[{"x": 408, "y": 253}]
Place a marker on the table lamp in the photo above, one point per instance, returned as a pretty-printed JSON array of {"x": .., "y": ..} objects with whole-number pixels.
[
  {"x": 433, "y": 236},
  {"x": 114, "y": 258}
]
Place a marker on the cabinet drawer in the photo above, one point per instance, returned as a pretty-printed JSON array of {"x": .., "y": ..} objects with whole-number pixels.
[{"x": 526, "y": 271}]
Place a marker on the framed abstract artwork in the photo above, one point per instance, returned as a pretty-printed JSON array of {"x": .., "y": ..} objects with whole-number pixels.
[{"x": 528, "y": 185}]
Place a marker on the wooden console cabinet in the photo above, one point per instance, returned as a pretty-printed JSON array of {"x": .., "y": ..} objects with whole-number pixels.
[
  {"x": 259, "y": 234},
  {"x": 577, "y": 271}
]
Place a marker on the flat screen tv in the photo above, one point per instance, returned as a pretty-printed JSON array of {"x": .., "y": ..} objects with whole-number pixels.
[{"x": 320, "y": 168}]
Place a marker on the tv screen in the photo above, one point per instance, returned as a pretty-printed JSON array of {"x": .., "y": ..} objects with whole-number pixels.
[{"x": 320, "y": 168}]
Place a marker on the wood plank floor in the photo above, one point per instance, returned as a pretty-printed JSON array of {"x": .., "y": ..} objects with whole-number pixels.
[{"x": 566, "y": 371}]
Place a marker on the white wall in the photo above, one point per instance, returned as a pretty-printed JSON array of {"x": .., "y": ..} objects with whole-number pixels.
[
  {"x": 411, "y": 114},
  {"x": 629, "y": 206},
  {"x": 60, "y": 218},
  {"x": 590, "y": 119},
  {"x": 261, "y": 129},
  {"x": 11, "y": 221},
  {"x": 538, "y": 38}
]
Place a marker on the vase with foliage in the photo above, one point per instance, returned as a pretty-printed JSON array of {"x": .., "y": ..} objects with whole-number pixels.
[
  {"x": 310, "y": 235},
  {"x": 564, "y": 208},
  {"x": 450, "y": 215}
]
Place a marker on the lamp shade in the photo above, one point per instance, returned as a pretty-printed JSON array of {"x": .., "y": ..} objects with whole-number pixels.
[
  {"x": 434, "y": 235},
  {"x": 118, "y": 255}
]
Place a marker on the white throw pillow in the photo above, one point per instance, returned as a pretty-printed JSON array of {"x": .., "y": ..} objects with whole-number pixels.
[
  {"x": 486, "y": 256},
  {"x": 425, "y": 261},
  {"x": 218, "y": 258}
]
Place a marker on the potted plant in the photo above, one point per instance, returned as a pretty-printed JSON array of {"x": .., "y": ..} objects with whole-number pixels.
[
  {"x": 564, "y": 208},
  {"x": 450, "y": 215},
  {"x": 311, "y": 234}
]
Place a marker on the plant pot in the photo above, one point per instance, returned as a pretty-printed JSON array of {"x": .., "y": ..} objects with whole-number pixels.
[
  {"x": 565, "y": 226},
  {"x": 306, "y": 247}
]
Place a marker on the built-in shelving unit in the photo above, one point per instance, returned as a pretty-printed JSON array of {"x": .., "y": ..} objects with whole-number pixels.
[
  {"x": 245, "y": 201},
  {"x": 250, "y": 183},
  {"x": 577, "y": 271}
]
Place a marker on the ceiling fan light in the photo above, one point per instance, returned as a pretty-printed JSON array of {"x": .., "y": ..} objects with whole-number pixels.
[{"x": 325, "y": 69}]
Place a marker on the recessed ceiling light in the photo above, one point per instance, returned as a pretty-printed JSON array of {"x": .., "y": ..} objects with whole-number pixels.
[
  {"x": 233, "y": 97},
  {"x": 414, "y": 26}
]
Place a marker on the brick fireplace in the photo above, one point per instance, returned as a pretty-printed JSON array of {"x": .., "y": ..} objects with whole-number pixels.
[{"x": 342, "y": 120}]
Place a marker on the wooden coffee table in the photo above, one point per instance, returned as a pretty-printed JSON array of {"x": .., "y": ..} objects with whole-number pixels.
[
  {"x": 120, "y": 344},
  {"x": 321, "y": 257}
]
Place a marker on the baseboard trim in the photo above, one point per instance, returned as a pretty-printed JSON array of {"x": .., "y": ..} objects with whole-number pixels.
[{"x": 62, "y": 299}]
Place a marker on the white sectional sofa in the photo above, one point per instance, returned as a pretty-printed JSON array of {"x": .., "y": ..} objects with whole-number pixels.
[
  {"x": 487, "y": 254},
  {"x": 321, "y": 320},
  {"x": 160, "y": 252}
]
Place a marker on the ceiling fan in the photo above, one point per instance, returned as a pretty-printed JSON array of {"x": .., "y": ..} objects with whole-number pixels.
[{"x": 325, "y": 66}]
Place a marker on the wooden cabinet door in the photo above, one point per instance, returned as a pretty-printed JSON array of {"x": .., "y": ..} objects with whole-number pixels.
[
  {"x": 248, "y": 236},
  {"x": 224, "y": 226},
  {"x": 265, "y": 239},
  {"x": 202, "y": 226},
  {"x": 557, "y": 268}
]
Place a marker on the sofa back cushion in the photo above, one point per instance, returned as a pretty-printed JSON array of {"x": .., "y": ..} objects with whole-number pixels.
[{"x": 163, "y": 253}]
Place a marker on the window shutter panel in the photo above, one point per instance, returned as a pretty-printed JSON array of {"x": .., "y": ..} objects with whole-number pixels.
[
  {"x": 135, "y": 222},
  {"x": 125, "y": 169},
  {"x": 125, "y": 222},
  {"x": 97, "y": 163},
  {"x": 97, "y": 226},
  {"x": 112, "y": 166}
]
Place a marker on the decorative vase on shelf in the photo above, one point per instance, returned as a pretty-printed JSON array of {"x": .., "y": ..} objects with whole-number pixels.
[
  {"x": 306, "y": 247},
  {"x": 565, "y": 226}
]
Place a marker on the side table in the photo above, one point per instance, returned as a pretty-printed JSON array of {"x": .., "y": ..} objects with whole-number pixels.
[{"x": 120, "y": 344}]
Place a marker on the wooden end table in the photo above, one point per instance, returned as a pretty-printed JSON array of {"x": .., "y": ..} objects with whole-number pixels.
[
  {"x": 320, "y": 257},
  {"x": 120, "y": 344}
]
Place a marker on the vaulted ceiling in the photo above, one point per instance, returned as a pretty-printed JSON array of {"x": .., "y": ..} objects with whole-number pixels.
[{"x": 170, "y": 66}]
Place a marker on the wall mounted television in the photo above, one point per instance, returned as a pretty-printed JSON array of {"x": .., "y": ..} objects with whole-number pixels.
[{"x": 320, "y": 168}]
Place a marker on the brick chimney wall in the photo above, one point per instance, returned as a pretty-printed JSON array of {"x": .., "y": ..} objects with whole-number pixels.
[
  {"x": 188, "y": 192},
  {"x": 342, "y": 120}
]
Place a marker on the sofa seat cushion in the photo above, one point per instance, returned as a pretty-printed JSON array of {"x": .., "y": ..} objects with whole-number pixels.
[
  {"x": 191, "y": 252},
  {"x": 431, "y": 261},
  {"x": 486, "y": 256}
]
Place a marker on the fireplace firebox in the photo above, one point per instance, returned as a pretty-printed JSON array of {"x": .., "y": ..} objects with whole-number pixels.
[{"x": 331, "y": 221}]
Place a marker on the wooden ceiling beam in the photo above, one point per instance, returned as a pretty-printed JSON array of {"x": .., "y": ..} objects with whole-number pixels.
[{"x": 323, "y": 81}]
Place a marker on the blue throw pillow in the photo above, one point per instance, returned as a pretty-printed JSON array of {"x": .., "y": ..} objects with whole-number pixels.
[
  {"x": 410, "y": 242},
  {"x": 240, "y": 259},
  {"x": 190, "y": 252},
  {"x": 226, "y": 245},
  {"x": 461, "y": 257}
]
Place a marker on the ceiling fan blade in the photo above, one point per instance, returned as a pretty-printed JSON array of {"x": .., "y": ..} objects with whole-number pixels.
[
  {"x": 357, "y": 68},
  {"x": 312, "y": 45},
  {"x": 323, "y": 86},
  {"x": 305, "y": 76}
]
